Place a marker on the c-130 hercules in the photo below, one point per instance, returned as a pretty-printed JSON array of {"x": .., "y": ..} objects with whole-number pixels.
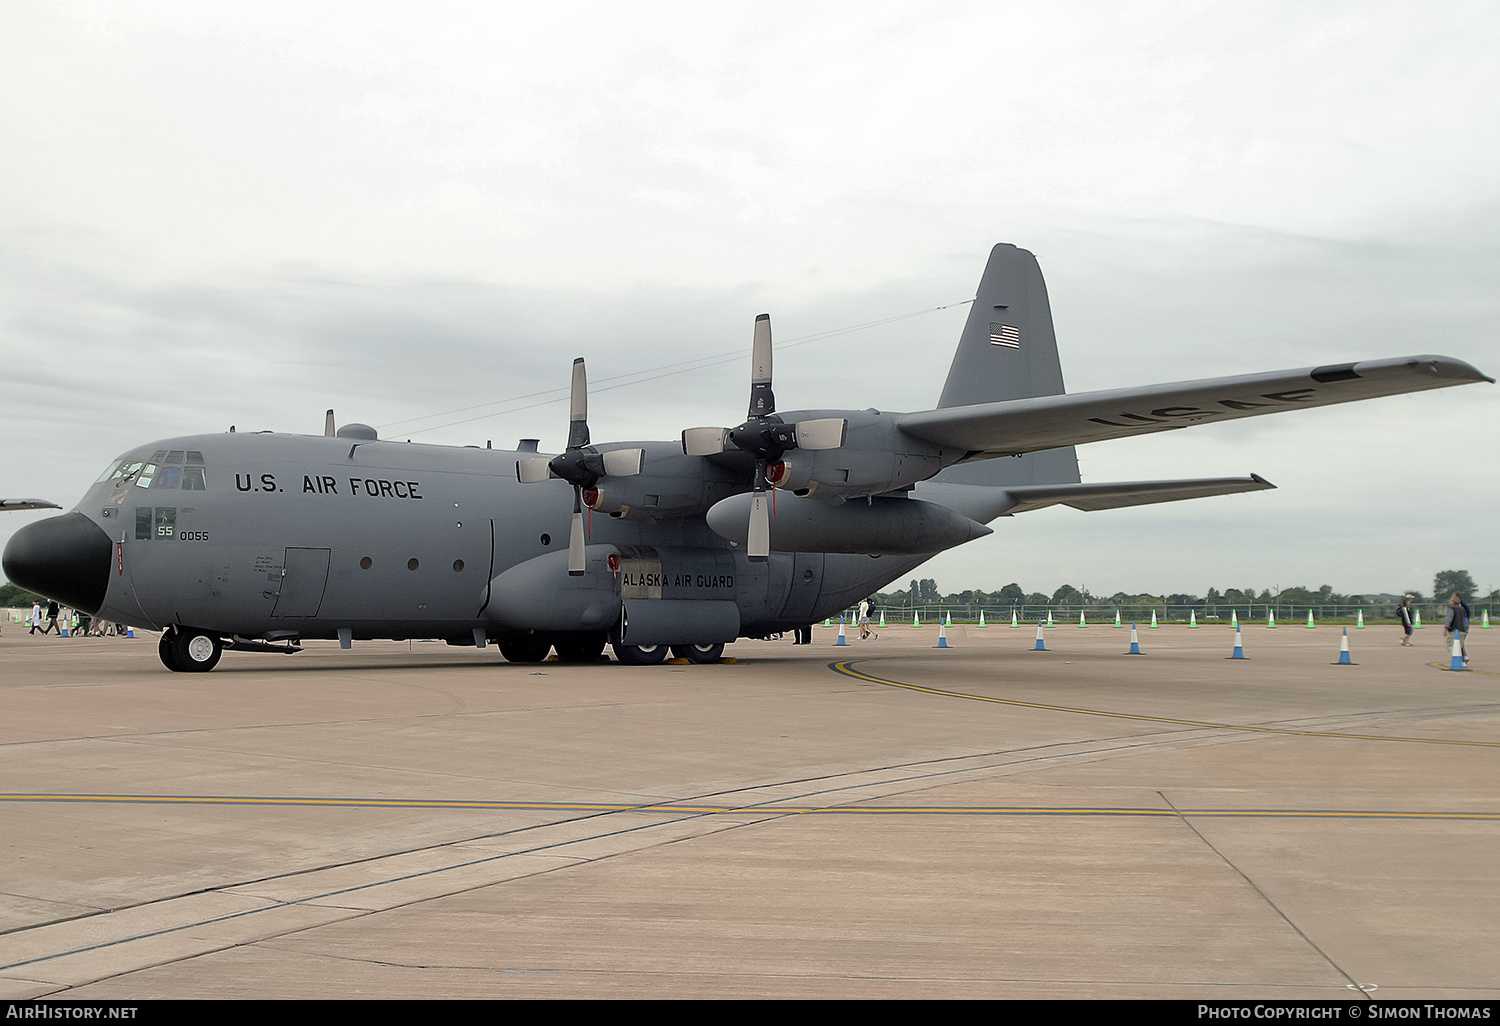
[{"x": 260, "y": 541}]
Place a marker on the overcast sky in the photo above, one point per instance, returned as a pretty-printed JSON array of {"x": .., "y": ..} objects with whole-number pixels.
[{"x": 216, "y": 214}]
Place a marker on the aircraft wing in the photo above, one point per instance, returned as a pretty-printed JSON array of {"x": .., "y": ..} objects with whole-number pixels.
[
  {"x": 10, "y": 504},
  {"x": 1046, "y": 422}
]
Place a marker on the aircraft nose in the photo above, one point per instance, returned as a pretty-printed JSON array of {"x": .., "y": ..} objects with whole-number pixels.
[{"x": 66, "y": 558}]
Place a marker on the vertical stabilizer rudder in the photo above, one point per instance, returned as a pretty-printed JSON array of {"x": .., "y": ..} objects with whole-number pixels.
[{"x": 1008, "y": 351}]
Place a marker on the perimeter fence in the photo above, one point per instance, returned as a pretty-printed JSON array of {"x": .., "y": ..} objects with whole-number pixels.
[{"x": 1432, "y": 613}]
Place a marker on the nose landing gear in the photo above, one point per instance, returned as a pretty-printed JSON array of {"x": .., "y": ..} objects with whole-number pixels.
[{"x": 185, "y": 650}]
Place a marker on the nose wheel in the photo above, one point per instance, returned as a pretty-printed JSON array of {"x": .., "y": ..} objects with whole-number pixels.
[{"x": 185, "y": 650}]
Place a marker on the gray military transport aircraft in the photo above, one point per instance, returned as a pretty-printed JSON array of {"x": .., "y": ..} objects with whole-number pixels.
[{"x": 260, "y": 541}]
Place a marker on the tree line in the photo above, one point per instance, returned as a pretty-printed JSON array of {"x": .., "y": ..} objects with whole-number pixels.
[{"x": 920, "y": 593}]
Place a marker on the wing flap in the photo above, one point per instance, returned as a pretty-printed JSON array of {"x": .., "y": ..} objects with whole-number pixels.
[{"x": 1047, "y": 422}]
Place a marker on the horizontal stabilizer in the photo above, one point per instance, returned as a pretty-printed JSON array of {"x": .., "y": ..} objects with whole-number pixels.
[
  {"x": 1116, "y": 495},
  {"x": 1046, "y": 422}
]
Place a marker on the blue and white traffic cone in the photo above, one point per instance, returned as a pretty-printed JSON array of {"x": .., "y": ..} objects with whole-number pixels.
[
  {"x": 942, "y": 635},
  {"x": 1041, "y": 646},
  {"x": 842, "y": 640},
  {"x": 130, "y": 632},
  {"x": 1344, "y": 659},
  {"x": 1239, "y": 646},
  {"x": 1458, "y": 655},
  {"x": 1135, "y": 642}
]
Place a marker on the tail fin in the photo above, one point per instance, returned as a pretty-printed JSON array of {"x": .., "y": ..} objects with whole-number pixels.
[{"x": 1008, "y": 351}]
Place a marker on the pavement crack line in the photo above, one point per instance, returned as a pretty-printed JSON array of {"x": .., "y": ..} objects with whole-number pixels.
[{"x": 1270, "y": 902}]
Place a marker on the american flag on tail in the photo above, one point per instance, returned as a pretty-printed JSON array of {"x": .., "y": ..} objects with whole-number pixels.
[{"x": 1007, "y": 335}]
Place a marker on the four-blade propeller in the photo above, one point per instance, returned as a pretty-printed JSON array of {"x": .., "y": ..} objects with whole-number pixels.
[
  {"x": 763, "y": 435},
  {"x": 580, "y": 464},
  {"x": 766, "y": 437}
]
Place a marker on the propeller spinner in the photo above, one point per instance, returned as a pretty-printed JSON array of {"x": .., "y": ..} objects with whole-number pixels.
[
  {"x": 580, "y": 464},
  {"x": 766, "y": 437}
]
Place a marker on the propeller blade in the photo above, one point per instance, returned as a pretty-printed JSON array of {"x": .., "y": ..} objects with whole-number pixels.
[
  {"x": 758, "y": 541},
  {"x": 575, "y": 537},
  {"x": 328, "y": 424},
  {"x": 623, "y": 462},
  {"x": 821, "y": 434},
  {"x": 533, "y": 469},
  {"x": 578, "y": 408},
  {"x": 762, "y": 399},
  {"x": 703, "y": 441}
]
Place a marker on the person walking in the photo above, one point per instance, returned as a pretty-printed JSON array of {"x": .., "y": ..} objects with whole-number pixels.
[
  {"x": 1456, "y": 625},
  {"x": 36, "y": 617},
  {"x": 1403, "y": 613},
  {"x": 52, "y": 611}
]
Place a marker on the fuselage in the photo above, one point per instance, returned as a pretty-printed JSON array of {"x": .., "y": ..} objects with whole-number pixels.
[{"x": 272, "y": 536}]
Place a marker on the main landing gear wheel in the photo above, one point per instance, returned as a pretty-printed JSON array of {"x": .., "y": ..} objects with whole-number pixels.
[
  {"x": 579, "y": 646},
  {"x": 523, "y": 648},
  {"x": 641, "y": 655},
  {"x": 699, "y": 653},
  {"x": 189, "y": 651}
]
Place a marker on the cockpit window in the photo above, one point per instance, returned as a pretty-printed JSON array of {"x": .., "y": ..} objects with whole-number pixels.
[
  {"x": 166, "y": 470},
  {"x": 121, "y": 470}
]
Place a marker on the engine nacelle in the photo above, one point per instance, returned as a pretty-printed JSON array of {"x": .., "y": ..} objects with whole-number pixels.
[
  {"x": 669, "y": 485},
  {"x": 876, "y": 457},
  {"x": 883, "y": 524},
  {"x": 850, "y": 473}
]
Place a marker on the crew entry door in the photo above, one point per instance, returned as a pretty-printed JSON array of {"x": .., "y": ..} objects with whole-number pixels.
[{"x": 304, "y": 575}]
